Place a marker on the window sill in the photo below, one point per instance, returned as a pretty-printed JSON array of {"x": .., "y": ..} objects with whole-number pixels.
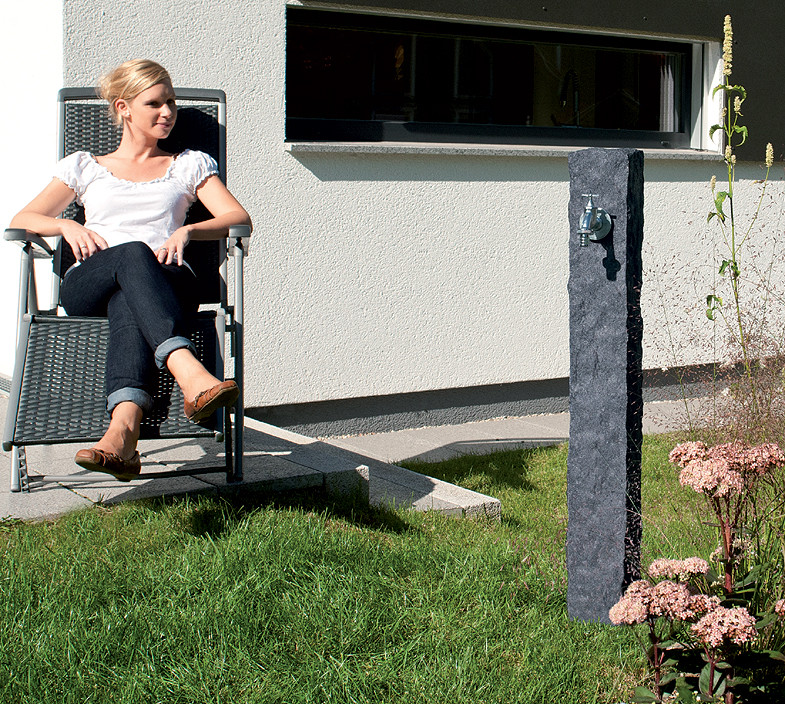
[{"x": 493, "y": 150}]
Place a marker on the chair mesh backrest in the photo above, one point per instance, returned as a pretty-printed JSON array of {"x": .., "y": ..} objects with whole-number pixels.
[{"x": 88, "y": 127}]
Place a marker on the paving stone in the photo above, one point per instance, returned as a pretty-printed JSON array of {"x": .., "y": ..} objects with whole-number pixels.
[
  {"x": 49, "y": 501},
  {"x": 270, "y": 473},
  {"x": 387, "y": 447},
  {"x": 111, "y": 491}
]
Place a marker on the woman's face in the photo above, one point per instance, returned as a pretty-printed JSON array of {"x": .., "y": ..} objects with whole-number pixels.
[{"x": 153, "y": 111}]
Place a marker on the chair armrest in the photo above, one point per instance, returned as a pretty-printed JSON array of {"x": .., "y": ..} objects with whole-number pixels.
[
  {"x": 40, "y": 246},
  {"x": 238, "y": 239},
  {"x": 240, "y": 231}
]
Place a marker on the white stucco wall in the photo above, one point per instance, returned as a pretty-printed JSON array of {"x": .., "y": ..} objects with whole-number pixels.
[
  {"x": 31, "y": 53},
  {"x": 383, "y": 274}
]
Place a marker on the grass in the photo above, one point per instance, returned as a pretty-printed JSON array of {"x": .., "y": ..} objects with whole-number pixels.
[{"x": 292, "y": 599}]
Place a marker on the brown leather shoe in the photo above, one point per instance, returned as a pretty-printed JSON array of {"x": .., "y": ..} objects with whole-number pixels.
[
  {"x": 108, "y": 462},
  {"x": 208, "y": 402}
]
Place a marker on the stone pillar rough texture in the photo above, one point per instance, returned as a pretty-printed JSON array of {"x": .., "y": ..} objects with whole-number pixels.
[{"x": 606, "y": 406}]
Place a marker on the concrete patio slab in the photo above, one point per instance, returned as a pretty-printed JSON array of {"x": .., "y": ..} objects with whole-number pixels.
[
  {"x": 51, "y": 501},
  {"x": 433, "y": 444},
  {"x": 278, "y": 460},
  {"x": 274, "y": 460}
]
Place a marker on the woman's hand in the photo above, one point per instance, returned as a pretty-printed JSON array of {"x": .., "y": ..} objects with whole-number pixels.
[
  {"x": 84, "y": 243},
  {"x": 172, "y": 251}
]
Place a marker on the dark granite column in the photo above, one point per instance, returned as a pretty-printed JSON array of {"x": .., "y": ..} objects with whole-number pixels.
[{"x": 606, "y": 406}]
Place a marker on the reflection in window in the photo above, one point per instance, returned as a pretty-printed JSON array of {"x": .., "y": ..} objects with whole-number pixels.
[{"x": 349, "y": 68}]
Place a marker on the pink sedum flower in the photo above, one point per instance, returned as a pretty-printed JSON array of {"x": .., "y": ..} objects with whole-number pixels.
[
  {"x": 678, "y": 569},
  {"x": 763, "y": 459},
  {"x": 779, "y": 608},
  {"x": 687, "y": 452},
  {"x": 672, "y": 600},
  {"x": 628, "y": 611},
  {"x": 703, "y": 603},
  {"x": 643, "y": 600},
  {"x": 721, "y": 624},
  {"x": 633, "y": 607},
  {"x": 711, "y": 476},
  {"x": 721, "y": 470}
]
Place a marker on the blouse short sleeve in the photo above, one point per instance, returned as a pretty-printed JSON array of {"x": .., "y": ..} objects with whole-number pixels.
[
  {"x": 197, "y": 168},
  {"x": 74, "y": 172}
]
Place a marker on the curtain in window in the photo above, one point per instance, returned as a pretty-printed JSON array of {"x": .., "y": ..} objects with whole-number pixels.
[{"x": 668, "y": 70}]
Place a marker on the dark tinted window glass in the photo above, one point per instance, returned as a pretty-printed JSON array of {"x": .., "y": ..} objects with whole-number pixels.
[{"x": 347, "y": 67}]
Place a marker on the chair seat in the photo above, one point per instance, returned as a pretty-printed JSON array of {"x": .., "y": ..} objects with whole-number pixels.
[{"x": 62, "y": 395}]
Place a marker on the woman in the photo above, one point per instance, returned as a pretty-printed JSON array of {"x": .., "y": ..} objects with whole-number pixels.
[{"x": 130, "y": 256}]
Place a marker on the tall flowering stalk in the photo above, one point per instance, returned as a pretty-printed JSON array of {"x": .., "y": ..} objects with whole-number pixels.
[{"x": 734, "y": 235}]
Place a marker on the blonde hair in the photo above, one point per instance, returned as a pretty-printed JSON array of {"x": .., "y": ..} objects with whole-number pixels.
[{"x": 128, "y": 80}]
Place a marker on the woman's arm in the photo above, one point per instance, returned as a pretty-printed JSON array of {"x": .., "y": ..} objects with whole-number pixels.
[
  {"x": 224, "y": 208},
  {"x": 39, "y": 216}
]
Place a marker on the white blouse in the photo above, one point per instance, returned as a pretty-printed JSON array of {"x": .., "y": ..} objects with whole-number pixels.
[{"x": 127, "y": 211}]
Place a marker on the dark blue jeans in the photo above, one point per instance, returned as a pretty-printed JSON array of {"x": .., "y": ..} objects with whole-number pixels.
[{"x": 148, "y": 305}]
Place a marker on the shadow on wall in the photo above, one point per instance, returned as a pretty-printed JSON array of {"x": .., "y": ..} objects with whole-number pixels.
[
  {"x": 698, "y": 172},
  {"x": 342, "y": 166},
  {"x": 478, "y": 167}
]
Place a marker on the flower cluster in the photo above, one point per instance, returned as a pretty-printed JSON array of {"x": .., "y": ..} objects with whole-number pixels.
[
  {"x": 762, "y": 459},
  {"x": 715, "y": 626},
  {"x": 779, "y": 608},
  {"x": 712, "y": 477},
  {"x": 703, "y": 603},
  {"x": 633, "y": 607},
  {"x": 721, "y": 470},
  {"x": 687, "y": 452},
  {"x": 721, "y": 624},
  {"x": 644, "y": 600},
  {"x": 727, "y": 47},
  {"x": 678, "y": 569}
]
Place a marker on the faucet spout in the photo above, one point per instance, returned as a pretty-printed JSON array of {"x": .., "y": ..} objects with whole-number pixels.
[
  {"x": 588, "y": 219},
  {"x": 595, "y": 223}
]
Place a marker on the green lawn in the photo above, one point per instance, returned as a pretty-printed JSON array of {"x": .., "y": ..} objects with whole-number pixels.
[{"x": 293, "y": 599}]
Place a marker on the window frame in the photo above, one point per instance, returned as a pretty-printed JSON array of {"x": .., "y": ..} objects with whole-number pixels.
[{"x": 692, "y": 99}]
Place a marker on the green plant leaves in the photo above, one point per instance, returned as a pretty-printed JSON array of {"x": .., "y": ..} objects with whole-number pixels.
[
  {"x": 729, "y": 264},
  {"x": 712, "y": 684},
  {"x": 742, "y": 130},
  {"x": 719, "y": 199},
  {"x": 644, "y": 696},
  {"x": 686, "y": 695},
  {"x": 712, "y": 303},
  {"x": 741, "y": 90},
  {"x": 750, "y": 578}
]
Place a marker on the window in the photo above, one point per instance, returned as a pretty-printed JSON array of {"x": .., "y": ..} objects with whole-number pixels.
[{"x": 371, "y": 78}]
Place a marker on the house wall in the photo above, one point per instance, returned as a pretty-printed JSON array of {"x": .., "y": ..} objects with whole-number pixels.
[
  {"x": 396, "y": 274},
  {"x": 31, "y": 52}
]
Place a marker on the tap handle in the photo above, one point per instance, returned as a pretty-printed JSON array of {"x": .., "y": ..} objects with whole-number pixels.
[{"x": 590, "y": 196}]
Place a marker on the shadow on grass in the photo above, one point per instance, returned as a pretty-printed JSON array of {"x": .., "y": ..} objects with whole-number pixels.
[
  {"x": 508, "y": 469},
  {"x": 214, "y": 516}
]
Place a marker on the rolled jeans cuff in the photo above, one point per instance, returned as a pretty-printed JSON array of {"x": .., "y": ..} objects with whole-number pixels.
[
  {"x": 128, "y": 393},
  {"x": 168, "y": 346}
]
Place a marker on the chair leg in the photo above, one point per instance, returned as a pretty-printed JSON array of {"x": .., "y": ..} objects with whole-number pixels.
[
  {"x": 228, "y": 446},
  {"x": 239, "y": 427},
  {"x": 233, "y": 446},
  {"x": 19, "y": 479}
]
